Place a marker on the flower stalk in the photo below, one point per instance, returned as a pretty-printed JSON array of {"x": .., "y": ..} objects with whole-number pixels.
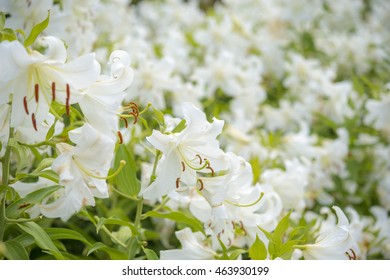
[{"x": 4, "y": 182}]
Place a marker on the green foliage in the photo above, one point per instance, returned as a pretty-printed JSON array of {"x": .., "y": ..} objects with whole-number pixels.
[
  {"x": 258, "y": 251},
  {"x": 36, "y": 30},
  {"x": 280, "y": 245},
  {"x": 42, "y": 239},
  {"x": 178, "y": 217},
  {"x": 16, "y": 208},
  {"x": 126, "y": 181},
  {"x": 13, "y": 250}
]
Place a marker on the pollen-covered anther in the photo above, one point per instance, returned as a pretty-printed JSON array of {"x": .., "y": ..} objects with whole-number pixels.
[
  {"x": 126, "y": 122},
  {"x": 210, "y": 168},
  {"x": 53, "y": 91},
  {"x": 200, "y": 159},
  {"x": 36, "y": 92},
  {"x": 25, "y": 105},
  {"x": 120, "y": 137},
  {"x": 183, "y": 166},
  {"x": 177, "y": 183},
  {"x": 201, "y": 184},
  {"x": 134, "y": 107},
  {"x": 229, "y": 241},
  {"x": 34, "y": 121},
  {"x": 135, "y": 117},
  {"x": 353, "y": 257},
  {"x": 67, "y": 104}
]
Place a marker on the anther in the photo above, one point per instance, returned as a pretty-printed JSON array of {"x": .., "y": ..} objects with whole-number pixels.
[
  {"x": 230, "y": 242},
  {"x": 67, "y": 100},
  {"x": 25, "y": 105},
  {"x": 353, "y": 257},
  {"x": 126, "y": 122},
  {"x": 177, "y": 183},
  {"x": 183, "y": 166},
  {"x": 201, "y": 184},
  {"x": 135, "y": 117},
  {"x": 36, "y": 92},
  {"x": 209, "y": 167},
  {"x": 120, "y": 137},
  {"x": 53, "y": 91},
  {"x": 200, "y": 159},
  {"x": 24, "y": 205},
  {"x": 34, "y": 121}
]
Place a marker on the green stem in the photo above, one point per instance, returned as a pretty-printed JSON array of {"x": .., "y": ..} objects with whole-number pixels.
[
  {"x": 109, "y": 233},
  {"x": 5, "y": 182},
  {"x": 140, "y": 205}
]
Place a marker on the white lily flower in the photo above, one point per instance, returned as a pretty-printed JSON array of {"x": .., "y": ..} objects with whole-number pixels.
[
  {"x": 335, "y": 244},
  {"x": 82, "y": 170},
  {"x": 193, "y": 247},
  {"x": 36, "y": 79},
  {"x": 193, "y": 150},
  {"x": 106, "y": 94}
]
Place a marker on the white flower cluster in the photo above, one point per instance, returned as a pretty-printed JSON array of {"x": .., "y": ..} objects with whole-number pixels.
[
  {"x": 37, "y": 82},
  {"x": 298, "y": 89}
]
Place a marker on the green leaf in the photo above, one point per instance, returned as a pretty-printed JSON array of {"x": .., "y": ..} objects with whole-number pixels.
[
  {"x": 150, "y": 254},
  {"x": 126, "y": 181},
  {"x": 133, "y": 247},
  {"x": 281, "y": 228},
  {"x": 159, "y": 117},
  {"x": 45, "y": 163},
  {"x": 115, "y": 221},
  {"x": 51, "y": 131},
  {"x": 8, "y": 35},
  {"x": 64, "y": 233},
  {"x": 285, "y": 251},
  {"x": 21, "y": 152},
  {"x": 36, "y": 30},
  {"x": 42, "y": 239},
  {"x": 179, "y": 217},
  {"x": 15, "y": 209},
  {"x": 236, "y": 253},
  {"x": 48, "y": 174},
  {"x": 14, "y": 250},
  {"x": 114, "y": 254},
  {"x": 180, "y": 126},
  {"x": 258, "y": 251},
  {"x": 224, "y": 250}
]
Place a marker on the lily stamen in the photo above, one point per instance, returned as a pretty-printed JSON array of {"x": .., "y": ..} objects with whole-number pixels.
[
  {"x": 120, "y": 137},
  {"x": 183, "y": 166},
  {"x": 67, "y": 100},
  {"x": 200, "y": 158},
  {"x": 126, "y": 122},
  {"x": 53, "y": 91},
  {"x": 177, "y": 183},
  {"x": 36, "y": 92},
  {"x": 210, "y": 168},
  {"x": 201, "y": 184},
  {"x": 353, "y": 257},
  {"x": 34, "y": 121},
  {"x": 25, "y": 105}
]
